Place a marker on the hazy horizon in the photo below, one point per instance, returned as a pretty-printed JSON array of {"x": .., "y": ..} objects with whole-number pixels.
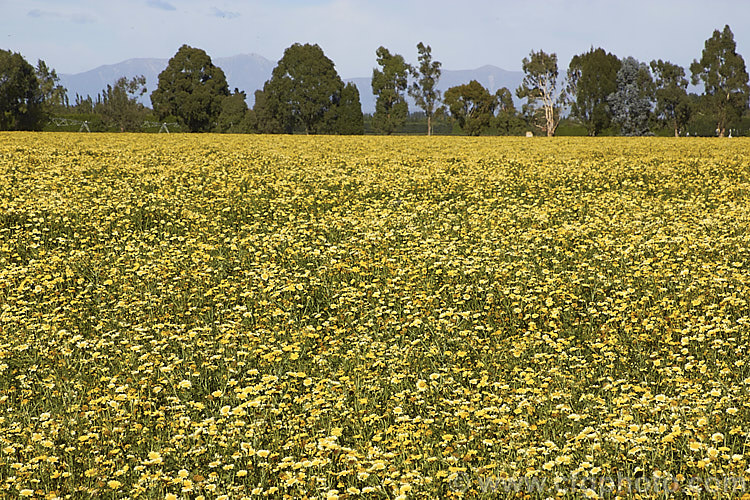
[{"x": 74, "y": 36}]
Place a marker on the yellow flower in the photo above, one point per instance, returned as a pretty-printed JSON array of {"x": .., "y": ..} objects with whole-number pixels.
[
  {"x": 185, "y": 384},
  {"x": 154, "y": 457},
  {"x": 113, "y": 484},
  {"x": 422, "y": 385}
]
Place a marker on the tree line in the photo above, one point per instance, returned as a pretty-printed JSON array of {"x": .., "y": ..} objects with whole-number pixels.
[{"x": 599, "y": 92}]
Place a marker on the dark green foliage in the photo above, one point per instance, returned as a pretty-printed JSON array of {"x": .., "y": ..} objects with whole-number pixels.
[
  {"x": 592, "y": 76},
  {"x": 631, "y": 102},
  {"x": 672, "y": 103},
  {"x": 269, "y": 114},
  {"x": 724, "y": 75},
  {"x": 539, "y": 87},
  {"x": 424, "y": 90},
  {"x": 118, "y": 106},
  {"x": 304, "y": 91},
  {"x": 232, "y": 118},
  {"x": 192, "y": 89},
  {"x": 54, "y": 95},
  {"x": 389, "y": 84},
  {"x": 472, "y": 106},
  {"x": 507, "y": 121},
  {"x": 21, "y": 99},
  {"x": 84, "y": 105},
  {"x": 350, "y": 120}
]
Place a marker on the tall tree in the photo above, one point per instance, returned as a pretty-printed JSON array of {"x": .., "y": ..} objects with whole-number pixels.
[
  {"x": 631, "y": 102},
  {"x": 472, "y": 106},
  {"x": 119, "y": 107},
  {"x": 21, "y": 99},
  {"x": 424, "y": 90},
  {"x": 388, "y": 84},
  {"x": 672, "y": 103},
  {"x": 592, "y": 76},
  {"x": 724, "y": 75},
  {"x": 507, "y": 120},
  {"x": 192, "y": 89},
  {"x": 304, "y": 90},
  {"x": 269, "y": 114},
  {"x": 539, "y": 87},
  {"x": 232, "y": 118},
  {"x": 350, "y": 120},
  {"x": 84, "y": 105},
  {"x": 54, "y": 95}
]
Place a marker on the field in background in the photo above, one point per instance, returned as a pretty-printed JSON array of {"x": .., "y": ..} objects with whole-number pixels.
[{"x": 378, "y": 317}]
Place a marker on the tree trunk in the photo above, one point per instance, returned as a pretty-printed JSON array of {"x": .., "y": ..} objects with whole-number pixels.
[{"x": 429, "y": 125}]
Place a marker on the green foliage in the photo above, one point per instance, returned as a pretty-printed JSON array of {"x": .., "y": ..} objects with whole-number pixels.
[
  {"x": 192, "y": 89},
  {"x": 350, "y": 120},
  {"x": 82, "y": 105},
  {"x": 424, "y": 90},
  {"x": 539, "y": 87},
  {"x": 592, "y": 76},
  {"x": 54, "y": 95},
  {"x": 631, "y": 102},
  {"x": 118, "y": 106},
  {"x": 21, "y": 99},
  {"x": 416, "y": 123},
  {"x": 304, "y": 90},
  {"x": 571, "y": 127},
  {"x": 232, "y": 118},
  {"x": 389, "y": 84},
  {"x": 672, "y": 103},
  {"x": 472, "y": 106},
  {"x": 269, "y": 114},
  {"x": 724, "y": 75},
  {"x": 507, "y": 121}
]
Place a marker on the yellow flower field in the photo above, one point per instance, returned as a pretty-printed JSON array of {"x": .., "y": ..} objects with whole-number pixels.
[{"x": 204, "y": 316}]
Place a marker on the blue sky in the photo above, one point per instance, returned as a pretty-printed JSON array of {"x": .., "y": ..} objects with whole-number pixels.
[{"x": 78, "y": 35}]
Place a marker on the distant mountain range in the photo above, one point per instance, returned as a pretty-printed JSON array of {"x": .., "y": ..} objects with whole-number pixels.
[{"x": 249, "y": 72}]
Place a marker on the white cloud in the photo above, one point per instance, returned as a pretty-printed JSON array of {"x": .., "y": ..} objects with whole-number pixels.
[
  {"x": 161, "y": 4},
  {"x": 224, "y": 14},
  {"x": 37, "y": 13}
]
